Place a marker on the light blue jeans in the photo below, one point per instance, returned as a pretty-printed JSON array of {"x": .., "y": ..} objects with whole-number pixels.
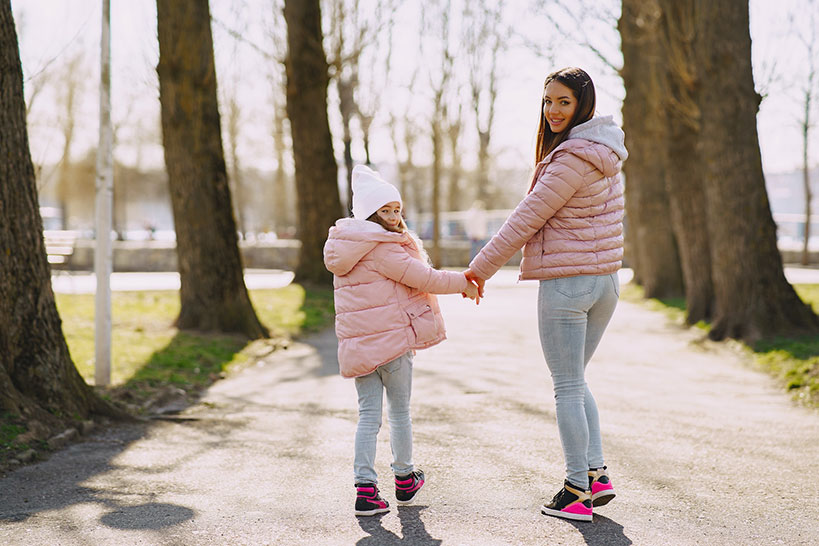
[
  {"x": 396, "y": 378},
  {"x": 573, "y": 313}
]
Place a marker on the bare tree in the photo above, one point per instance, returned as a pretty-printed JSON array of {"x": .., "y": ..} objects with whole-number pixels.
[
  {"x": 213, "y": 292},
  {"x": 351, "y": 32},
  {"x": 437, "y": 18},
  {"x": 809, "y": 92},
  {"x": 316, "y": 170},
  {"x": 38, "y": 380},
  {"x": 485, "y": 39},
  {"x": 652, "y": 246},
  {"x": 453, "y": 129},
  {"x": 71, "y": 88},
  {"x": 683, "y": 161},
  {"x": 753, "y": 299}
]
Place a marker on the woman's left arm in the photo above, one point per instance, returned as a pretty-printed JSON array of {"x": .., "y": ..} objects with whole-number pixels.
[{"x": 555, "y": 186}]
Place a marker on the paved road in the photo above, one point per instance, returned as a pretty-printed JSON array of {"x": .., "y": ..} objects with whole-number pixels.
[{"x": 702, "y": 450}]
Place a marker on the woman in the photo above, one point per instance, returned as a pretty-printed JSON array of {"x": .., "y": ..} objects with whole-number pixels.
[{"x": 570, "y": 225}]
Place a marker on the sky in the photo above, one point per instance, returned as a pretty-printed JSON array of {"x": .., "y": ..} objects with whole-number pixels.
[{"x": 51, "y": 31}]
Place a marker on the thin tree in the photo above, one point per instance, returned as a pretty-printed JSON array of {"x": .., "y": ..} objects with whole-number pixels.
[
  {"x": 38, "y": 380},
  {"x": 71, "y": 81},
  {"x": 753, "y": 299},
  {"x": 436, "y": 18},
  {"x": 809, "y": 92},
  {"x": 683, "y": 161},
  {"x": 653, "y": 247},
  {"x": 485, "y": 38},
  {"x": 213, "y": 292},
  {"x": 319, "y": 204}
]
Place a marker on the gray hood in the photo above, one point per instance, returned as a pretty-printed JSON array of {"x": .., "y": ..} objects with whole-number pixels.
[{"x": 604, "y": 131}]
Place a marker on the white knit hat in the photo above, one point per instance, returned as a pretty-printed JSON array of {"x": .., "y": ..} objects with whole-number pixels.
[{"x": 371, "y": 192}]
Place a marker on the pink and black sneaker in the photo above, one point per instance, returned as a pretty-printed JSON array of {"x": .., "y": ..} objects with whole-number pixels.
[
  {"x": 570, "y": 503},
  {"x": 368, "y": 502},
  {"x": 406, "y": 487},
  {"x": 601, "y": 489}
]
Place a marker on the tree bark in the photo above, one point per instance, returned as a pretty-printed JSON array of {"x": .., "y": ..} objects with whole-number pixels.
[
  {"x": 753, "y": 298},
  {"x": 38, "y": 380},
  {"x": 683, "y": 161},
  {"x": 213, "y": 292},
  {"x": 652, "y": 246},
  {"x": 316, "y": 170}
]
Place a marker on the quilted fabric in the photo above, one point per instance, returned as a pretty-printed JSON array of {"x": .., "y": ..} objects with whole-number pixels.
[
  {"x": 383, "y": 295},
  {"x": 571, "y": 221}
]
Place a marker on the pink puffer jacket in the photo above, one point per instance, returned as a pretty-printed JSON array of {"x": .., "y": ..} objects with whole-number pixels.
[
  {"x": 383, "y": 295},
  {"x": 571, "y": 221}
]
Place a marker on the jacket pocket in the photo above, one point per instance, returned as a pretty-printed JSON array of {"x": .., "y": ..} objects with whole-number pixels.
[{"x": 422, "y": 321}]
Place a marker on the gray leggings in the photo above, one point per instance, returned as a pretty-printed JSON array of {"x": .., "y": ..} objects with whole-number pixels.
[{"x": 573, "y": 313}]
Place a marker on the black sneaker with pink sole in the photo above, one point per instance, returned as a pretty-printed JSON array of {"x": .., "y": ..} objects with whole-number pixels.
[
  {"x": 407, "y": 487},
  {"x": 368, "y": 502}
]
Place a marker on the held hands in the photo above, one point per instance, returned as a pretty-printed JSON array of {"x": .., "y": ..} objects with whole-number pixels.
[
  {"x": 471, "y": 291},
  {"x": 475, "y": 283}
]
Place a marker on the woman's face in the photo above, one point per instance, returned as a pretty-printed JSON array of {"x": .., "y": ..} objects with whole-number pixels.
[
  {"x": 391, "y": 213},
  {"x": 559, "y": 105}
]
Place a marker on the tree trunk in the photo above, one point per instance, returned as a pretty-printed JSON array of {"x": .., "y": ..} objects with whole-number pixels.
[
  {"x": 437, "y": 155},
  {"x": 806, "y": 171},
  {"x": 213, "y": 292},
  {"x": 38, "y": 380},
  {"x": 753, "y": 299},
  {"x": 237, "y": 189},
  {"x": 316, "y": 170},
  {"x": 653, "y": 249},
  {"x": 346, "y": 106},
  {"x": 683, "y": 161},
  {"x": 281, "y": 193}
]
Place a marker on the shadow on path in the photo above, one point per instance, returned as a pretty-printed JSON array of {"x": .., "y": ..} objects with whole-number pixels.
[
  {"x": 602, "y": 532},
  {"x": 413, "y": 530}
]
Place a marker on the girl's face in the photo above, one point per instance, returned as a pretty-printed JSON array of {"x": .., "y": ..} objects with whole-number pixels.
[
  {"x": 390, "y": 213},
  {"x": 559, "y": 105}
]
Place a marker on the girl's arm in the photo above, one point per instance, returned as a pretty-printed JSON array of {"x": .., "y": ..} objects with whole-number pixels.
[
  {"x": 555, "y": 186},
  {"x": 392, "y": 261}
]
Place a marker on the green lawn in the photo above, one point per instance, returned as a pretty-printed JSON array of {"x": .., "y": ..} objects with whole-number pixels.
[
  {"x": 147, "y": 351},
  {"x": 793, "y": 361}
]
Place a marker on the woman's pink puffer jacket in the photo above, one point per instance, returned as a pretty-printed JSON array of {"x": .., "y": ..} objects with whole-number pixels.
[
  {"x": 571, "y": 221},
  {"x": 383, "y": 295}
]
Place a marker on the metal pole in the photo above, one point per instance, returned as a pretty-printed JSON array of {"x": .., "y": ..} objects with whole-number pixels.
[{"x": 103, "y": 206}]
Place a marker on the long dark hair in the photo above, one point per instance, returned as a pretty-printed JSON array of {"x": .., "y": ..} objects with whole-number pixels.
[{"x": 582, "y": 87}]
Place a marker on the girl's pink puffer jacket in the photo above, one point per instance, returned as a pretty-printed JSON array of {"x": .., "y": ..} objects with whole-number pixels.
[
  {"x": 383, "y": 295},
  {"x": 571, "y": 221}
]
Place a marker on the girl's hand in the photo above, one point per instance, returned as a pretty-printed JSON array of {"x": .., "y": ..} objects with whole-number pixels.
[
  {"x": 473, "y": 278},
  {"x": 471, "y": 291}
]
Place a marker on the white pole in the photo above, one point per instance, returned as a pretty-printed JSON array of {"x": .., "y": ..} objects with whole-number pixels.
[{"x": 103, "y": 203}]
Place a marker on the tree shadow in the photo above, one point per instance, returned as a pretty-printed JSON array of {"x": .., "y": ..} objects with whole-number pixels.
[
  {"x": 413, "y": 531},
  {"x": 602, "y": 532}
]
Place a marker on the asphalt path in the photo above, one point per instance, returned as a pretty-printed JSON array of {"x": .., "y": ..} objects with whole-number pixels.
[{"x": 702, "y": 449}]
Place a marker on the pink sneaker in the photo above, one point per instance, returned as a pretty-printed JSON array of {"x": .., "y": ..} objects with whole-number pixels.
[
  {"x": 570, "y": 503},
  {"x": 601, "y": 489}
]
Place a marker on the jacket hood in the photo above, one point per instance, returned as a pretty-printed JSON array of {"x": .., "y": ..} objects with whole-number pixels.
[
  {"x": 351, "y": 239},
  {"x": 601, "y": 130}
]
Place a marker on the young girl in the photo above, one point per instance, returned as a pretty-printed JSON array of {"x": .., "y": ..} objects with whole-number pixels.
[
  {"x": 571, "y": 223},
  {"x": 384, "y": 311}
]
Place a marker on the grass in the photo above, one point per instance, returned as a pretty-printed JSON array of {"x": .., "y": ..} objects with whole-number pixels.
[
  {"x": 148, "y": 353},
  {"x": 793, "y": 361},
  {"x": 145, "y": 347}
]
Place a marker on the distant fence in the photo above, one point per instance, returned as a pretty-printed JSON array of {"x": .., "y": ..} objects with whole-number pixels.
[{"x": 283, "y": 253}]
